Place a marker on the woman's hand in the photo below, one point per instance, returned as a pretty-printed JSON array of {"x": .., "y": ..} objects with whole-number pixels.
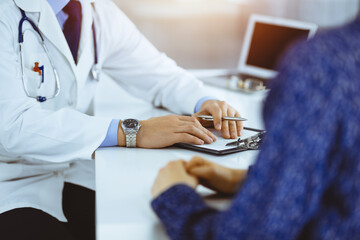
[
  {"x": 218, "y": 109},
  {"x": 172, "y": 174},
  {"x": 214, "y": 176}
]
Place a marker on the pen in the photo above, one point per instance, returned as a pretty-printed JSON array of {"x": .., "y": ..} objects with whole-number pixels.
[{"x": 210, "y": 118}]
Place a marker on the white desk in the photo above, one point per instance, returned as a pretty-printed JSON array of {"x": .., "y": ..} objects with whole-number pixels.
[{"x": 124, "y": 177}]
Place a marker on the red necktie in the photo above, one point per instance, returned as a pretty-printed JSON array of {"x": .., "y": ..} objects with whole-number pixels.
[{"x": 72, "y": 26}]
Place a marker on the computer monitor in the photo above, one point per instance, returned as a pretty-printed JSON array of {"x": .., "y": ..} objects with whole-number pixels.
[{"x": 266, "y": 40}]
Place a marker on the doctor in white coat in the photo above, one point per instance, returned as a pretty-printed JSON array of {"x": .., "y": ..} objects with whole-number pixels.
[{"x": 47, "y": 131}]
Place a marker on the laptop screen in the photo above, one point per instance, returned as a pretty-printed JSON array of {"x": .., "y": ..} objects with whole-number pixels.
[{"x": 269, "y": 42}]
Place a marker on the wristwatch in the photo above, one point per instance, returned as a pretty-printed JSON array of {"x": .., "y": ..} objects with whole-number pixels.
[{"x": 130, "y": 127}]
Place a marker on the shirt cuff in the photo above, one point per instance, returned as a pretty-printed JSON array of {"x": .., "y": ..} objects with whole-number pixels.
[
  {"x": 201, "y": 101},
  {"x": 111, "y": 138}
]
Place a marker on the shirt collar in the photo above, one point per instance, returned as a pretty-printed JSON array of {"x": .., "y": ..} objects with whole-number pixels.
[{"x": 57, "y": 5}]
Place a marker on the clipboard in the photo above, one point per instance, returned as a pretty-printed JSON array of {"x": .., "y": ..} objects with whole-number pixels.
[{"x": 218, "y": 148}]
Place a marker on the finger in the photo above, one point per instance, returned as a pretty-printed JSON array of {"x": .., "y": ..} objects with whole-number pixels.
[
  {"x": 181, "y": 164},
  {"x": 174, "y": 162},
  {"x": 232, "y": 124},
  {"x": 197, "y": 158},
  {"x": 216, "y": 113},
  {"x": 188, "y": 138},
  {"x": 209, "y": 133},
  {"x": 185, "y": 118},
  {"x": 195, "y": 161},
  {"x": 201, "y": 132},
  {"x": 194, "y": 130},
  {"x": 194, "y": 121},
  {"x": 204, "y": 123},
  {"x": 202, "y": 172},
  {"x": 177, "y": 165},
  {"x": 225, "y": 129},
  {"x": 239, "y": 124},
  {"x": 225, "y": 123}
]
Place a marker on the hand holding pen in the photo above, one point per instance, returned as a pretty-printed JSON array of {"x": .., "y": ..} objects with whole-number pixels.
[{"x": 221, "y": 116}]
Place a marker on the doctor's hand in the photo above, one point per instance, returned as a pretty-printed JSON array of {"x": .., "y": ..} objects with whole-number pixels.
[
  {"x": 172, "y": 174},
  {"x": 165, "y": 131},
  {"x": 218, "y": 109},
  {"x": 214, "y": 176}
]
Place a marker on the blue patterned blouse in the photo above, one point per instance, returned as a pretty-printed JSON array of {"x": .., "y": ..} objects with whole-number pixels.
[{"x": 306, "y": 181}]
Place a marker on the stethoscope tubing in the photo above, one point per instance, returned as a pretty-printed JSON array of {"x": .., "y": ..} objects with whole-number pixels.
[{"x": 23, "y": 19}]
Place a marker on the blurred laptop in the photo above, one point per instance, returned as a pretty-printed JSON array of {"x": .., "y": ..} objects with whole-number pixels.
[{"x": 266, "y": 40}]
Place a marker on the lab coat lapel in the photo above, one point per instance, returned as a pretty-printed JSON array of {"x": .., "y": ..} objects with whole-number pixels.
[
  {"x": 86, "y": 48},
  {"x": 86, "y": 31},
  {"x": 49, "y": 26}
]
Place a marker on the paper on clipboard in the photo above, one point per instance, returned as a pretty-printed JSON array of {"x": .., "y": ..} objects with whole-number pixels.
[
  {"x": 220, "y": 143},
  {"x": 219, "y": 147}
]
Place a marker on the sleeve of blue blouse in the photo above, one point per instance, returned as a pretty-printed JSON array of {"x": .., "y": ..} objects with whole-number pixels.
[{"x": 290, "y": 175}]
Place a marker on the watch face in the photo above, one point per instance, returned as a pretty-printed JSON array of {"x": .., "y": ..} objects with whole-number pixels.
[{"x": 131, "y": 123}]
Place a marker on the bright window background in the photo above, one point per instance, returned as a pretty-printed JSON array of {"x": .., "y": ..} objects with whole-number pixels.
[{"x": 209, "y": 33}]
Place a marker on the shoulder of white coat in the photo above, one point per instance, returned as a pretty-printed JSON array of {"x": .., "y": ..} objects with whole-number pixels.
[
  {"x": 111, "y": 16},
  {"x": 10, "y": 15},
  {"x": 108, "y": 8},
  {"x": 104, "y": 2},
  {"x": 7, "y": 8}
]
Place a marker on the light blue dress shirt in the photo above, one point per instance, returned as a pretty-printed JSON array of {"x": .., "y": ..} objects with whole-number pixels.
[
  {"x": 111, "y": 136},
  {"x": 57, "y": 6}
]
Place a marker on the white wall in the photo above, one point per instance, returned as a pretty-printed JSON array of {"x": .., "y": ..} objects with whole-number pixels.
[
  {"x": 326, "y": 13},
  {"x": 209, "y": 33}
]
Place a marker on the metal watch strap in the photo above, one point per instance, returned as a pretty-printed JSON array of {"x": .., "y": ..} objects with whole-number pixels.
[
  {"x": 131, "y": 139},
  {"x": 130, "y": 127}
]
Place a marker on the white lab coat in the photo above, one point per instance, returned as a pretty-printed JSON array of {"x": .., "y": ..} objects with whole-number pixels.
[{"x": 44, "y": 144}]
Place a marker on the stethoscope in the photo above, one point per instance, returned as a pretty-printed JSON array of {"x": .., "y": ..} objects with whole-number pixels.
[{"x": 95, "y": 69}]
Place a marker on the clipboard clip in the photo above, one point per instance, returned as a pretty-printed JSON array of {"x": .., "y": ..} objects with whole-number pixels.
[{"x": 250, "y": 143}]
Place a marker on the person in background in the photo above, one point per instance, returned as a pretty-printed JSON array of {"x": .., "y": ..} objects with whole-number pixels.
[{"x": 305, "y": 183}]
